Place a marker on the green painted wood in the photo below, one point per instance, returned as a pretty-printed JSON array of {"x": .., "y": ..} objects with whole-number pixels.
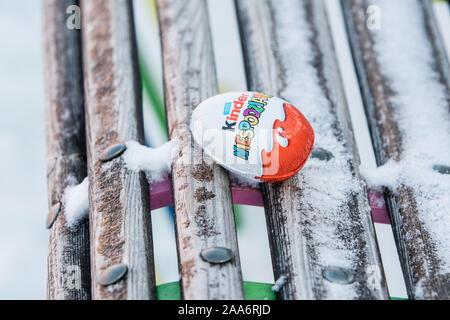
[{"x": 252, "y": 291}]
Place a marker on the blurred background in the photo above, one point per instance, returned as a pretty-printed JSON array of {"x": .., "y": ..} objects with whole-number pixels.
[
  {"x": 23, "y": 194},
  {"x": 23, "y": 187}
]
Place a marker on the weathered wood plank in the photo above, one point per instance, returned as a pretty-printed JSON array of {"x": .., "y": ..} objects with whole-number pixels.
[
  {"x": 201, "y": 188},
  {"x": 384, "y": 95},
  {"x": 118, "y": 198},
  {"x": 68, "y": 255},
  {"x": 320, "y": 218}
]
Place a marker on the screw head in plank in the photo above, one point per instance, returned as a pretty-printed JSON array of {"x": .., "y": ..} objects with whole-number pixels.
[
  {"x": 113, "y": 274},
  {"x": 321, "y": 154},
  {"x": 217, "y": 255},
  {"x": 53, "y": 214},
  {"x": 338, "y": 275},
  {"x": 441, "y": 168},
  {"x": 113, "y": 152}
]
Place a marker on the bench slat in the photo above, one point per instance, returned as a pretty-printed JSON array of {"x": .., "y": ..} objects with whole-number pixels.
[
  {"x": 118, "y": 198},
  {"x": 320, "y": 218},
  {"x": 202, "y": 195},
  {"x": 423, "y": 265},
  {"x": 68, "y": 254}
]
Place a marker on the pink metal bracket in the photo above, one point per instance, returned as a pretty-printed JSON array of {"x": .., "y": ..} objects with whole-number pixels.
[{"x": 161, "y": 196}]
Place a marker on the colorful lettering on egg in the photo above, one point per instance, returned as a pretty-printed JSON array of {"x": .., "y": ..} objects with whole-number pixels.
[
  {"x": 261, "y": 137},
  {"x": 256, "y": 106},
  {"x": 237, "y": 106}
]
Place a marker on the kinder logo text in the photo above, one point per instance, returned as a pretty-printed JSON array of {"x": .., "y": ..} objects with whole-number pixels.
[{"x": 255, "y": 107}]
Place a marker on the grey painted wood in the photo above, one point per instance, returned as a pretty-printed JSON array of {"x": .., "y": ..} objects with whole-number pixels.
[
  {"x": 201, "y": 188},
  {"x": 416, "y": 246},
  {"x": 118, "y": 198},
  {"x": 305, "y": 237},
  {"x": 68, "y": 252}
]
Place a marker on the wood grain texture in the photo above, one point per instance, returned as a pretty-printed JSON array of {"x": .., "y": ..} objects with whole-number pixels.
[
  {"x": 68, "y": 255},
  {"x": 306, "y": 237},
  {"x": 118, "y": 198},
  {"x": 201, "y": 189},
  {"x": 416, "y": 246}
]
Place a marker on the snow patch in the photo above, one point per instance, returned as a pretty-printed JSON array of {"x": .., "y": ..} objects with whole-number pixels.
[
  {"x": 154, "y": 162},
  {"x": 76, "y": 202},
  {"x": 384, "y": 176}
]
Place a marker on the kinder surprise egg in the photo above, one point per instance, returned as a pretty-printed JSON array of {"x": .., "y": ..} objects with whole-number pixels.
[{"x": 261, "y": 137}]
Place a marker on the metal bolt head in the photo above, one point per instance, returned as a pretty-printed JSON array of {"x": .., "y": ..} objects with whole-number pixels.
[
  {"x": 217, "y": 255},
  {"x": 113, "y": 274},
  {"x": 53, "y": 214},
  {"x": 321, "y": 154},
  {"x": 338, "y": 275},
  {"x": 113, "y": 151},
  {"x": 441, "y": 168}
]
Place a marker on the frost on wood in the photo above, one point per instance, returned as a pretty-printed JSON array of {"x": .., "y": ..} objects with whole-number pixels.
[
  {"x": 154, "y": 162},
  {"x": 76, "y": 202},
  {"x": 322, "y": 214},
  {"x": 326, "y": 187},
  {"x": 420, "y": 104}
]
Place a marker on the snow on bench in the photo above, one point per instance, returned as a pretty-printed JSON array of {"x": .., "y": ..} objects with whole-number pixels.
[
  {"x": 404, "y": 74},
  {"x": 319, "y": 221}
]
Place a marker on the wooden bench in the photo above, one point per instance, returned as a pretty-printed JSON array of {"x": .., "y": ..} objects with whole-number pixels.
[{"x": 322, "y": 237}]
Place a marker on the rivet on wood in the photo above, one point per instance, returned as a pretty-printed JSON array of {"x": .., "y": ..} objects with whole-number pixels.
[
  {"x": 113, "y": 274},
  {"x": 441, "y": 168},
  {"x": 112, "y": 152},
  {"x": 53, "y": 214},
  {"x": 217, "y": 255},
  {"x": 338, "y": 275},
  {"x": 321, "y": 154}
]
